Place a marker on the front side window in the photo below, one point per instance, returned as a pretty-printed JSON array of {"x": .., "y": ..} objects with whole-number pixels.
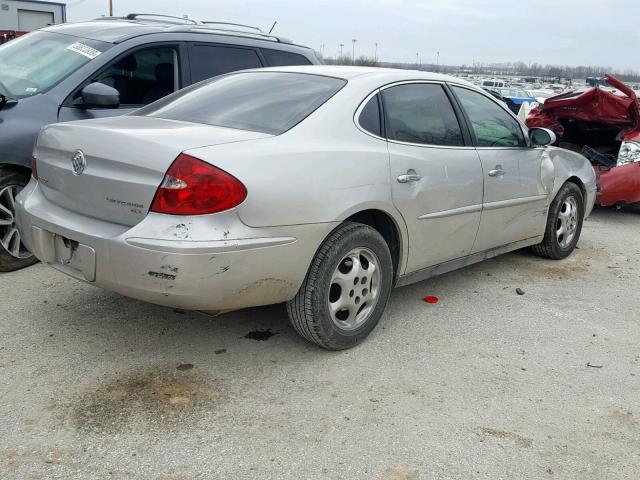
[
  {"x": 143, "y": 76},
  {"x": 492, "y": 125},
  {"x": 212, "y": 60},
  {"x": 421, "y": 113},
  {"x": 268, "y": 102},
  {"x": 36, "y": 62}
]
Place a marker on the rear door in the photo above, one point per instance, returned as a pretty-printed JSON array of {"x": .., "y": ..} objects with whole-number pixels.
[
  {"x": 436, "y": 178},
  {"x": 141, "y": 76},
  {"x": 515, "y": 198},
  {"x": 208, "y": 60}
]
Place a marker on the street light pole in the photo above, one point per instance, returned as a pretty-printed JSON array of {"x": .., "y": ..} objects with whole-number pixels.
[
  {"x": 353, "y": 50},
  {"x": 341, "y": 47},
  {"x": 375, "y": 55},
  {"x": 437, "y": 61}
]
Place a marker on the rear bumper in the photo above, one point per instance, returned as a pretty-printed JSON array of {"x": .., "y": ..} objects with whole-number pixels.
[{"x": 209, "y": 262}]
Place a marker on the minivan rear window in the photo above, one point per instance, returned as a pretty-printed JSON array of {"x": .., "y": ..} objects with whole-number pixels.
[{"x": 267, "y": 102}]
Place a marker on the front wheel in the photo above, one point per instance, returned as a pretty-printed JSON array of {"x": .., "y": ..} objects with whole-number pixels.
[
  {"x": 346, "y": 289},
  {"x": 564, "y": 224},
  {"x": 13, "y": 254}
]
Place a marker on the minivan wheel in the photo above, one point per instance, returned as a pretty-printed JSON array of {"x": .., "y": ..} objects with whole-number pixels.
[
  {"x": 346, "y": 289},
  {"x": 13, "y": 254},
  {"x": 564, "y": 224}
]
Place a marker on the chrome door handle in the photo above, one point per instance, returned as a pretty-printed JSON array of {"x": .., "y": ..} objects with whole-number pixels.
[
  {"x": 497, "y": 172},
  {"x": 409, "y": 177}
]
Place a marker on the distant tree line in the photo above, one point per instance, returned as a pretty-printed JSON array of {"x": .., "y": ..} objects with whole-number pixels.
[{"x": 496, "y": 69}]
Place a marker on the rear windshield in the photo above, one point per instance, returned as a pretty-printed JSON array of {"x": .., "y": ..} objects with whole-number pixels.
[{"x": 267, "y": 102}]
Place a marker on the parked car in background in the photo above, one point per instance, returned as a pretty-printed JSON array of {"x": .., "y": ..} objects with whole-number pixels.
[
  {"x": 229, "y": 194},
  {"x": 105, "y": 68},
  {"x": 494, "y": 84},
  {"x": 540, "y": 95},
  {"x": 605, "y": 127},
  {"x": 514, "y": 98}
]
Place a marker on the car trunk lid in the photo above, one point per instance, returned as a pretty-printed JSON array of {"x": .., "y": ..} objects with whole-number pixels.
[{"x": 125, "y": 160}]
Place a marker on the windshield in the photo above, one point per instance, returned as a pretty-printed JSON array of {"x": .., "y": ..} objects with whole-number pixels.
[
  {"x": 267, "y": 102},
  {"x": 36, "y": 62}
]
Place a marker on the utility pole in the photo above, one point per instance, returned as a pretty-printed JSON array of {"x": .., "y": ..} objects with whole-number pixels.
[
  {"x": 341, "y": 47},
  {"x": 353, "y": 51},
  {"x": 437, "y": 61},
  {"x": 417, "y": 54},
  {"x": 111, "y": 8},
  {"x": 375, "y": 55}
]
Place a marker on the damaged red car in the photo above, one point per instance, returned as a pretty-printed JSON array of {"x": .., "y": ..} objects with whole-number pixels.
[{"x": 605, "y": 127}]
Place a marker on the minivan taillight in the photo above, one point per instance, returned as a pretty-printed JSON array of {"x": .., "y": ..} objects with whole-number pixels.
[{"x": 194, "y": 187}]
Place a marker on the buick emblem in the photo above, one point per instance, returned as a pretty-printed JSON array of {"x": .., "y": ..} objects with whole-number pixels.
[{"x": 78, "y": 162}]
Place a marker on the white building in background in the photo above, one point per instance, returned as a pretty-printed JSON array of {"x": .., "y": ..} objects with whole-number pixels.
[{"x": 22, "y": 16}]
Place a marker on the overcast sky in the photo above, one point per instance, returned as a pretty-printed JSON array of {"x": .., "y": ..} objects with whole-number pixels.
[{"x": 588, "y": 32}]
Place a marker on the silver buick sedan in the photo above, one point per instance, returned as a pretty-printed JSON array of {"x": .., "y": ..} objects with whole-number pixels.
[{"x": 319, "y": 186}]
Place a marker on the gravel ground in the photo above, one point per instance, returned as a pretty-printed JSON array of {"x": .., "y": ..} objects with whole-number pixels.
[{"x": 485, "y": 384}]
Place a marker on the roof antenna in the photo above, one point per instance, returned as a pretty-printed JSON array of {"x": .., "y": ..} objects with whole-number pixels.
[{"x": 273, "y": 26}]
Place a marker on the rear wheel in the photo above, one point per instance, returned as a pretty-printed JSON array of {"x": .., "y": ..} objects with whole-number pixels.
[
  {"x": 346, "y": 289},
  {"x": 564, "y": 224},
  {"x": 13, "y": 254}
]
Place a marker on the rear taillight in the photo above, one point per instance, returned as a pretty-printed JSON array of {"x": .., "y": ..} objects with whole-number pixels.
[
  {"x": 194, "y": 187},
  {"x": 34, "y": 167}
]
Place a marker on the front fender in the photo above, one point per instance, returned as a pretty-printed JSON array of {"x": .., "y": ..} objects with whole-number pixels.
[{"x": 572, "y": 165}]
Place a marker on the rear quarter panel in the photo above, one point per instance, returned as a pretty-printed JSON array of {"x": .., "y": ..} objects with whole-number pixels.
[{"x": 290, "y": 181}]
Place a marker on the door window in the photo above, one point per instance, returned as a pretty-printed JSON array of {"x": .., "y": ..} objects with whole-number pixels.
[
  {"x": 492, "y": 125},
  {"x": 421, "y": 113},
  {"x": 212, "y": 60},
  {"x": 143, "y": 76}
]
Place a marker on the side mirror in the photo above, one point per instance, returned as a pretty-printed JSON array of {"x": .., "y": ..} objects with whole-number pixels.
[
  {"x": 99, "y": 95},
  {"x": 541, "y": 137}
]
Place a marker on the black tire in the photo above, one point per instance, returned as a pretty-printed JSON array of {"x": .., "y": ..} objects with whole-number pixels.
[
  {"x": 551, "y": 246},
  {"x": 309, "y": 311},
  {"x": 8, "y": 262}
]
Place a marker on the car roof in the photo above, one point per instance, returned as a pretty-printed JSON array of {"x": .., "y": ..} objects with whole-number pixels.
[
  {"x": 117, "y": 30},
  {"x": 385, "y": 74}
]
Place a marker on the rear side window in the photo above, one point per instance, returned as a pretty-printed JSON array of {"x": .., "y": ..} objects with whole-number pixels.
[
  {"x": 421, "y": 113},
  {"x": 369, "y": 118},
  {"x": 268, "y": 102},
  {"x": 279, "y": 58},
  {"x": 491, "y": 124},
  {"x": 212, "y": 60}
]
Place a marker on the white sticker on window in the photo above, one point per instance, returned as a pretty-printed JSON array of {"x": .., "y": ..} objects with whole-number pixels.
[{"x": 85, "y": 50}]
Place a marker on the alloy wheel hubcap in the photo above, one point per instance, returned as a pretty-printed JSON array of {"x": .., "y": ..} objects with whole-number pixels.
[
  {"x": 567, "y": 223},
  {"x": 10, "y": 238},
  {"x": 354, "y": 288}
]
